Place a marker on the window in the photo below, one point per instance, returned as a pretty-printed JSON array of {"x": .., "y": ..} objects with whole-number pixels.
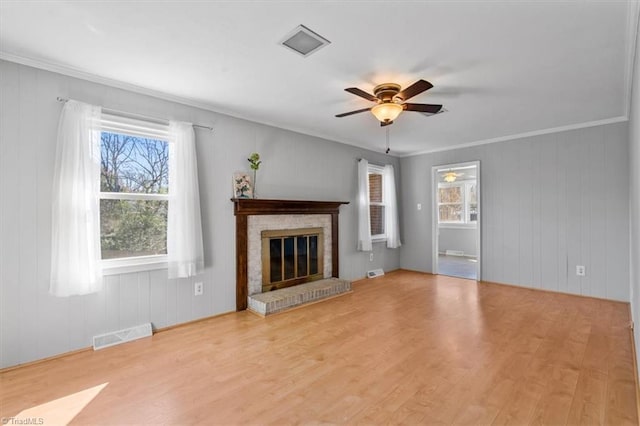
[
  {"x": 458, "y": 203},
  {"x": 377, "y": 202},
  {"x": 113, "y": 179},
  {"x": 134, "y": 190}
]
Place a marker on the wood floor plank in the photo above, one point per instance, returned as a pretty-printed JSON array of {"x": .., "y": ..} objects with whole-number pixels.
[
  {"x": 589, "y": 400},
  {"x": 406, "y": 348}
]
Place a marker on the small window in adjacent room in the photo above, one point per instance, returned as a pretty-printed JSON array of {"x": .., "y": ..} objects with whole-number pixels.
[
  {"x": 376, "y": 203},
  {"x": 458, "y": 203},
  {"x": 134, "y": 191}
]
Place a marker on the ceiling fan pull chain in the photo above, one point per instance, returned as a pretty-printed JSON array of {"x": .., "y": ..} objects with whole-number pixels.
[{"x": 388, "y": 149}]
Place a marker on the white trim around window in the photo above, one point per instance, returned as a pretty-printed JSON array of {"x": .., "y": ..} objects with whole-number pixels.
[
  {"x": 127, "y": 265},
  {"x": 375, "y": 169},
  {"x": 147, "y": 130}
]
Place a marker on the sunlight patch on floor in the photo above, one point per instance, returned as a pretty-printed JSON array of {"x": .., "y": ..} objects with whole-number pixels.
[{"x": 59, "y": 411}]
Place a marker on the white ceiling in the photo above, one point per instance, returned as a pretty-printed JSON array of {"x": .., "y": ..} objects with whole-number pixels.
[{"x": 500, "y": 68}]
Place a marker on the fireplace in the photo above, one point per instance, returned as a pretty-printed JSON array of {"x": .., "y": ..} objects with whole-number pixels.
[
  {"x": 291, "y": 257},
  {"x": 258, "y": 215}
]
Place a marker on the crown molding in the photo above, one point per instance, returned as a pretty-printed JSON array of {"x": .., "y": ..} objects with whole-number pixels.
[
  {"x": 523, "y": 135},
  {"x": 83, "y": 75},
  {"x": 633, "y": 22}
]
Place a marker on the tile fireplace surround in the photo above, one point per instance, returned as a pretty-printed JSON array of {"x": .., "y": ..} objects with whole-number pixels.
[{"x": 295, "y": 212}]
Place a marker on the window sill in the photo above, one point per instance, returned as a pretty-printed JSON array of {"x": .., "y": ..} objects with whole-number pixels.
[
  {"x": 131, "y": 265},
  {"x": 379, "y": 239}
]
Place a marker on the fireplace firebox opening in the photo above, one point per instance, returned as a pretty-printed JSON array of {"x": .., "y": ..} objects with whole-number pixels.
[{"x": 291, "y": 257}]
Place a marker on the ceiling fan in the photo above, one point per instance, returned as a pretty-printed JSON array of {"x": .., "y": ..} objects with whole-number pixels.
[{"x": 391, "y": 101}]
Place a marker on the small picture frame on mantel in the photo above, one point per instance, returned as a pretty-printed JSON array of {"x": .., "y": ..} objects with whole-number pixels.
[{"x": 242, "y": 187}]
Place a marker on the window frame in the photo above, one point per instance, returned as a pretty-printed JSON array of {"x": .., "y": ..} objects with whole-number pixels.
[
  {"x": 377, "y": 170},
  {"x": 144, "y": 129},
  {"x": 466, "y": 206}
]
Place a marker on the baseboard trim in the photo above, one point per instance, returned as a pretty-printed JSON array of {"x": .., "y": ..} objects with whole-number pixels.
[
  {"x": 195, "y": 321},
  {"x": 564, "y": 293},
  {"x": 524, "y": 287},
  {"x": 365, "y": 279},
  {"x": 89, "y": 348},
  {"x": 47, "y": 359},
  {"x": 634, "y": 354}
]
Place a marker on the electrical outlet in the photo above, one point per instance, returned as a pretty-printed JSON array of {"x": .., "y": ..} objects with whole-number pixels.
[
  {"x": 419, "y": 206},
  {"x": 370, "y": 257},
  {"x": 581, "y": 271},
  {"x": 198, "y": 289}
]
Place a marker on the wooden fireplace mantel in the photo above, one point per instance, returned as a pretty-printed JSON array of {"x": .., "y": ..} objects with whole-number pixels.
[{"x": 245, "y": 207}]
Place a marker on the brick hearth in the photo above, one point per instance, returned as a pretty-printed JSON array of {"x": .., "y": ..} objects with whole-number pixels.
[{"x": 276, "y": 301}]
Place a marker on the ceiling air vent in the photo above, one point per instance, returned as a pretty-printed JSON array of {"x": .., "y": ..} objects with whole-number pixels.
[{"x": 304, "y": 41}]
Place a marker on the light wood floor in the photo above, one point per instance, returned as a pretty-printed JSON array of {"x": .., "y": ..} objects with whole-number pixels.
[{"x": 405, "y": 348}]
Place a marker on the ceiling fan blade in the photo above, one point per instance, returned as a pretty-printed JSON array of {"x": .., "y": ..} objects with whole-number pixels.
[
  {"x": 416, "y": 88},
  {"x": 430, "y": 108},
  {"x": 344, "y": 114},
  {"x": 386, "y": 123},
  {"x": 361, "y": 93}
]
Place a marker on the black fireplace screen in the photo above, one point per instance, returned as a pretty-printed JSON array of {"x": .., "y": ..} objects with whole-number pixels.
[{"x": 291, "y": 257}]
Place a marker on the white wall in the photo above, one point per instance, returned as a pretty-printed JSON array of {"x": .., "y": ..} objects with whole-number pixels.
[
  {"x": 634, "y": 198},
  {"x": 549, "y": 203},
  {"x": 458, "y": 239},
  {"x": 34, "y": 324}
]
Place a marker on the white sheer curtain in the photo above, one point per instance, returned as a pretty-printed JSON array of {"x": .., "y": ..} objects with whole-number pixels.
[
  {"x": 75, "y": 239},
  {"x": 391, "y": 224},
  {"x": 364, "y": 221},
  {"x": 184, "y": 229}
]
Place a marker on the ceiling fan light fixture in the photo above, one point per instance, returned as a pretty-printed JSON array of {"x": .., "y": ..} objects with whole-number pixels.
[
  {"x": 450, "y": 177},
  {"x": 387, "y": 111}
]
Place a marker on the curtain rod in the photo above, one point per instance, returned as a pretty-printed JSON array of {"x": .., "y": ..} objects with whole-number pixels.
[
  {"x": 131, "y": 114},
  {"x": 373, "y": 164}
]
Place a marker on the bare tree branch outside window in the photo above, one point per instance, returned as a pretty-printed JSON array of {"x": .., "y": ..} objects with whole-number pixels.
[{"x": 133, "y": 165}]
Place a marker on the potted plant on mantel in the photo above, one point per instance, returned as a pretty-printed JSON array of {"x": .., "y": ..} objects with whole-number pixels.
[{"x": 254, "y": 161}]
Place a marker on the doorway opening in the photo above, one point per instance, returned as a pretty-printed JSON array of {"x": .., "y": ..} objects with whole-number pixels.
[{"x": 456, "y": 224}]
